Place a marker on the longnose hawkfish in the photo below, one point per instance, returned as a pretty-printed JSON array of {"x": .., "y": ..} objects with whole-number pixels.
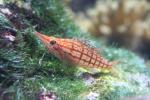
[{"x": 74, "y": 52}]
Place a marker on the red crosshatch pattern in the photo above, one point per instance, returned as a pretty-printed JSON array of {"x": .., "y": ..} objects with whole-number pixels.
[
  {"x": 83, "y": 55},
  {"x": 74, "y": 51}
]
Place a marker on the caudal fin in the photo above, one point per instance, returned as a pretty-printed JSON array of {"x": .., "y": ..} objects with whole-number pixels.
[{"x": 113, "y": 63}]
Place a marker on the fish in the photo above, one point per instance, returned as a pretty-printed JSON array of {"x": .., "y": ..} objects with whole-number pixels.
[{"x": 75, "y": 52}]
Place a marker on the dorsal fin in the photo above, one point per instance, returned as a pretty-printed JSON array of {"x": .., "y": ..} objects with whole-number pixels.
[
  {"x": 85, "y": 42},
  {"x": 89, "y": 45}
]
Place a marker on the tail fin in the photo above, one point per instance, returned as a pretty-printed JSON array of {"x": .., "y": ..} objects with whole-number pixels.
[
  {"x": 116, "y": 72},
  {"x": 113, "y": 63}
]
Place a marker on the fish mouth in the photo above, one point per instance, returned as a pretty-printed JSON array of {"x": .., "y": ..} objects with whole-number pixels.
[{"x": 44, "y": 39}]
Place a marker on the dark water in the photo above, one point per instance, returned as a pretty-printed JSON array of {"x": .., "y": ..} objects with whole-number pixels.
[{"x": 81, "y": 5}]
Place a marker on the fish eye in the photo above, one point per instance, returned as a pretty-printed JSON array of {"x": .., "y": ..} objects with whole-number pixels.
[{"x": 52, "y": 42}]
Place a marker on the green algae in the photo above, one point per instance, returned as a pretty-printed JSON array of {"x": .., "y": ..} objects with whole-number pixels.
[{"x": 34, "y": 69}]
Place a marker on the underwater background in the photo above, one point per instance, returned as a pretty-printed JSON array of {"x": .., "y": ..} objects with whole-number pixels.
[{"x": 119, "y": 29}]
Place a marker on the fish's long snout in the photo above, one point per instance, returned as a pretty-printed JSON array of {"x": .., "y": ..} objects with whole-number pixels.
[{"x": 44, "y": 39}]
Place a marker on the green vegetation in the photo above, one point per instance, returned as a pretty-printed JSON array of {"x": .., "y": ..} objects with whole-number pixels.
[{"x": 27, "y": 68}]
